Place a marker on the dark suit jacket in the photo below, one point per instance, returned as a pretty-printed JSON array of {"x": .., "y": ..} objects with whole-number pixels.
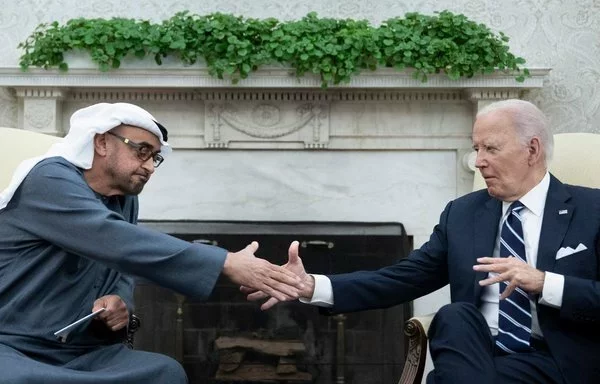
[{"x": 467, "y": 230}]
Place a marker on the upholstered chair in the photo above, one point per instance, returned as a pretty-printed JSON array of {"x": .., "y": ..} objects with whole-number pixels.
[{"x": 18, "y": 145}]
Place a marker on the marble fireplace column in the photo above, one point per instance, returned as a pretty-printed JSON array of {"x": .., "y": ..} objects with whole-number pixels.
[{"x": 41, "y": 110}]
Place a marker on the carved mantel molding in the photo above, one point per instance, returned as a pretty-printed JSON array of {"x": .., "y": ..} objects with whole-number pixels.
[
  {"x": 281, "y": 104},
  {"x": 272, "y": 109},
  {"x": 198, "y": 77}
]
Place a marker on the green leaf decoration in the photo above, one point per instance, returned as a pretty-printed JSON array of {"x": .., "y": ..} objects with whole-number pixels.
[{"x": 233, "y": 46}]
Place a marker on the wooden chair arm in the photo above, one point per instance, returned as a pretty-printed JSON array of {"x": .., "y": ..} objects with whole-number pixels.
[
  {"x": 416, "y": 331},
  {"x": 134, "y": 324}
]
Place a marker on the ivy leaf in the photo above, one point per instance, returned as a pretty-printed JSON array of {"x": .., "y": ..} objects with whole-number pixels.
[
  {"x": 110, "y": 49},
  {"x": 88, "y": 39},
  {"x": 453, "y": 74},
  {"x": 177, "y": 44}
]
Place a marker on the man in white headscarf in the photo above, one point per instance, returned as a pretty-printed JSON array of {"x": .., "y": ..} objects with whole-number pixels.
[{"x": 68, "y": 242}]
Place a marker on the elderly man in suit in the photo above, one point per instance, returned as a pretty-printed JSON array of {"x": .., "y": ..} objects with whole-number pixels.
[{"x": 520, "y": 260}]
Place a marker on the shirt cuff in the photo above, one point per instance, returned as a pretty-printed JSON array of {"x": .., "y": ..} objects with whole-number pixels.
[
  {"x": 323, "y": 293},
  {"x": 552, "y": 293}
]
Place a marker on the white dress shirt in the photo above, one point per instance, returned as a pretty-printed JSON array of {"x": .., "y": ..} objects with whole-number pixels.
[{"x": 552, "y": 293}]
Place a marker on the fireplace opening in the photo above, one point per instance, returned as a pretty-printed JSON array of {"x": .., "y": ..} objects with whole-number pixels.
[{"x": 227, "y": 339}]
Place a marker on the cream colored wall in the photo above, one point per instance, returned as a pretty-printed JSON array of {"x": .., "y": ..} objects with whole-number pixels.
[{"x": 563, "y": 35}]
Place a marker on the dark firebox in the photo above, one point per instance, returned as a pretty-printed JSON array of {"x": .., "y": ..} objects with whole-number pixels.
[{"x": 230, "y": 340}]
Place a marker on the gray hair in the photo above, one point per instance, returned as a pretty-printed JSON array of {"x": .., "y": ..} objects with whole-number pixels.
[{"x": 529, "y": 121}]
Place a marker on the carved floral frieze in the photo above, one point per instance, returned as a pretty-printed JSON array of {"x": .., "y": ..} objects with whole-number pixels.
[{"x": 265, "y": 122}]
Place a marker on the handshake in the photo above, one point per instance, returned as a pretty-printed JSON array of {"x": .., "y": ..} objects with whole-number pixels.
[{"x": 259, "y": 279}]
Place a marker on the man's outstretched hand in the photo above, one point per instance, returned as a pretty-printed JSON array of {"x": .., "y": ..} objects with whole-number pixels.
[
  {"x": 295, "y": 266},
  {"x": 257, "y": 274}
]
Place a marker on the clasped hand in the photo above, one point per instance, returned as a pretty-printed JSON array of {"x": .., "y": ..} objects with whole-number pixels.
[
  {"x": 513, "y": 271},
  {"x": 256, "y": 274},
  {"x": 293, "y": 266}
]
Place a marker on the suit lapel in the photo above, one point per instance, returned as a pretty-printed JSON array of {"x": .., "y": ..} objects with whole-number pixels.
[
  {"x": 486, "y": 221},
  {"x": 557, "y": 217}
]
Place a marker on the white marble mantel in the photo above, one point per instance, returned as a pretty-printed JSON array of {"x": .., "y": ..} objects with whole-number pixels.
[{"x": 383, "y": 111}]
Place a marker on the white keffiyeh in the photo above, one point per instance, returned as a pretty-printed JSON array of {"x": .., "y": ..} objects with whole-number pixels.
[{"x": 77, "y": 146}]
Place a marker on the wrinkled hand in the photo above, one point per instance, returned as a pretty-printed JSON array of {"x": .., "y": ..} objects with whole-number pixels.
[
  {"x": 116, "y": 315},
  {"x": 293, "y": 265},
  {"x": 245, "y": 269},
  {"x": 513, "y": 271}
]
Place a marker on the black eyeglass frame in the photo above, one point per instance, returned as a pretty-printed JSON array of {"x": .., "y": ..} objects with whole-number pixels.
[{"x": 157, "y": 158}]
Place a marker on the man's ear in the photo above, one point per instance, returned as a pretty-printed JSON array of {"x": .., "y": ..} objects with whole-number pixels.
[
  {"x": 535, "y": 150},
  {"x": 100, "y": 144}
]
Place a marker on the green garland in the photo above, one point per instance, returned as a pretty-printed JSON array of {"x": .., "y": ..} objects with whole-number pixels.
[{"x": 233, "y": 46}]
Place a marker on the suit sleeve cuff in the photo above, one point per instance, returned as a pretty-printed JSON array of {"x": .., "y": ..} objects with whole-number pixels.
[
  {"x": 552, "y": 293},
  {"x": 323, "y": 294}
]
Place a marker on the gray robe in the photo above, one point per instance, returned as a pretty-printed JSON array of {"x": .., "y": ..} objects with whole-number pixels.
[{"x": 62, "y": 246}]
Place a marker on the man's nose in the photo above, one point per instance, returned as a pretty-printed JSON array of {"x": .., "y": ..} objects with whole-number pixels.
[
  {"x": 149, "y": 165},
  {"x": 480, "y": 159}
]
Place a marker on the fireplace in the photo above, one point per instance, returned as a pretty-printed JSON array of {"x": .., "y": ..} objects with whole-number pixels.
[{"x": 228, "y": 339}]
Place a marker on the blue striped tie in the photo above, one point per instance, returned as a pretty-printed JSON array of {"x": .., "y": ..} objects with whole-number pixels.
[{"x": 514, "y": 320}]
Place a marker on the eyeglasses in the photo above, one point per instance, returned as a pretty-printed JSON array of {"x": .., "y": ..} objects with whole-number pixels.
[{"x": 143, "y": 151}]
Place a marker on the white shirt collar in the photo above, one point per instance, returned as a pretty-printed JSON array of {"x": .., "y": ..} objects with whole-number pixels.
[{"x": 535, "y": 199}]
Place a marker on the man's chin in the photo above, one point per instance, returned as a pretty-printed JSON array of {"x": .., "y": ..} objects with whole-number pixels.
[
  {"x": 490, "y": 185},
  {"x": 494, "y": 192},
  {"x": 136, "y": 188}
]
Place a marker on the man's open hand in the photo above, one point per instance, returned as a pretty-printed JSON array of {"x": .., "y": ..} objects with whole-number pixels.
[{"x": 513, "y": 271}]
